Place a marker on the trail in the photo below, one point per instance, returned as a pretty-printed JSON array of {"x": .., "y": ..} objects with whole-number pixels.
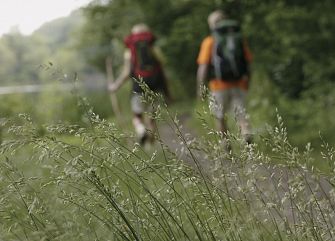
[{"x": 273, "y": 190}]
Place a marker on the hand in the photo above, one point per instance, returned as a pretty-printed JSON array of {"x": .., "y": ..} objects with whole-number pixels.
[{"x": 112, "y": 87}]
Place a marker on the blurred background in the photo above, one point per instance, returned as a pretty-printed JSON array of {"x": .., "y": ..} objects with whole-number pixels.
[{"x": 292, "y": 42}]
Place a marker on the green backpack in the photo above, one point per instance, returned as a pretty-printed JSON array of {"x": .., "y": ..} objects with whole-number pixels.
[{"x": 228, "y": 56}]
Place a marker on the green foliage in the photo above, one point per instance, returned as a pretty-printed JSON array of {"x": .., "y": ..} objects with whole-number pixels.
[
  {"x": 180, "y": 27},
  {"x": 57, "y": 106},
  {"x": 21, "y": 56},
  {"x": 306, "y": 118},
  {"x": 293, "y": 70},
  {"x": 106, "y": 23},
  {"x": 11, "y": 105},
  {"x": 76, "y": 183},
  {"x": 21, "y": 60},
  {"x": 62, "y": 31},
  {"x": 291, "y": 41}
]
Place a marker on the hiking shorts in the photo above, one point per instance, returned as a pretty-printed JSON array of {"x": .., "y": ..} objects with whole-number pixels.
[
  {"x": 138, "y": 105},
  {"x": 232, "y": 99}
]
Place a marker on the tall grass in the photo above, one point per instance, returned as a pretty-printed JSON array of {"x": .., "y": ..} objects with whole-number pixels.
[{"x": 94, "y": 183}]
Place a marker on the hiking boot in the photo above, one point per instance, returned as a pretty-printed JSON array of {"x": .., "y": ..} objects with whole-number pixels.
[{"x": 248, "y": 139}]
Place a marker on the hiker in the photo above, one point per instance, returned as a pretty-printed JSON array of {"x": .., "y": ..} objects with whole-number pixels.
[
  {"x": 225, "y": 57},
  {"x": 141, "y": 62}
]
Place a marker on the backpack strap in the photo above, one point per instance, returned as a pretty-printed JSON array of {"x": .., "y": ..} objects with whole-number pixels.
[{"x": 216, "y": 61}]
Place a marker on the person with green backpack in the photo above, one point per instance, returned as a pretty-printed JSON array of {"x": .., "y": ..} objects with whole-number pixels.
[
  {"x": 141, "y": 63},
  {"x": 225, "y": 59}
]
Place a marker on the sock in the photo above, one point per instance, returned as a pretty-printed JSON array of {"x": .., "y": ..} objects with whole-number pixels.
[{"x": 139, "y": 127}]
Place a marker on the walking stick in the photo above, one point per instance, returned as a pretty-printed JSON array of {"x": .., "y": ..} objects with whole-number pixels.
[{"x": 110, "y": 79}]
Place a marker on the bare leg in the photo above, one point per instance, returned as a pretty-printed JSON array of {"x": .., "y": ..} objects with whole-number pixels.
[
  {"x": 140, "y": 128},
  {"x": 243, "y": 123},
  {"x": 218, "y": 105},
  {"x": 239, "y": 97},
  {"x": 245, "y": 130},
  {"x": 222, "y": 126},
  {"x": 153, "y": 129}
]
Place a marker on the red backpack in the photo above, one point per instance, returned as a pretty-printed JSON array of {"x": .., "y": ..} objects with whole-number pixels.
[{"x": 144, "y": 62}]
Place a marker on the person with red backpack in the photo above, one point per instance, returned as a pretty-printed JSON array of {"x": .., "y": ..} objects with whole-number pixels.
[
  {"x": 225, "y": 57},
  {"x": 141, "y": 64}
]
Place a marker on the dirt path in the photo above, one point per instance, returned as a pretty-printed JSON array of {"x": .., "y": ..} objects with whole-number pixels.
[{"x": 290, "y": 194}]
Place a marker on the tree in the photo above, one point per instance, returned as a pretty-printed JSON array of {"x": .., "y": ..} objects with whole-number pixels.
[
  {"x": 180, "y": 26},
  {"x": 292, "y": 41}
]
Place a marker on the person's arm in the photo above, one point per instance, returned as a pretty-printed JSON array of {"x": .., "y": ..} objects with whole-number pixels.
[
  {"x": 124, "y": 75},
  {"x": 203, "y": 60},
  {"x": 159, "y": 55},
  {"x": 248, "y": 58},
  {"x": 201, "y": 77}
]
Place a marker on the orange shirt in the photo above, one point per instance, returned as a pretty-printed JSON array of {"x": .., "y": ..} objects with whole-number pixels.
[{"x": 205, "y": 57}]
